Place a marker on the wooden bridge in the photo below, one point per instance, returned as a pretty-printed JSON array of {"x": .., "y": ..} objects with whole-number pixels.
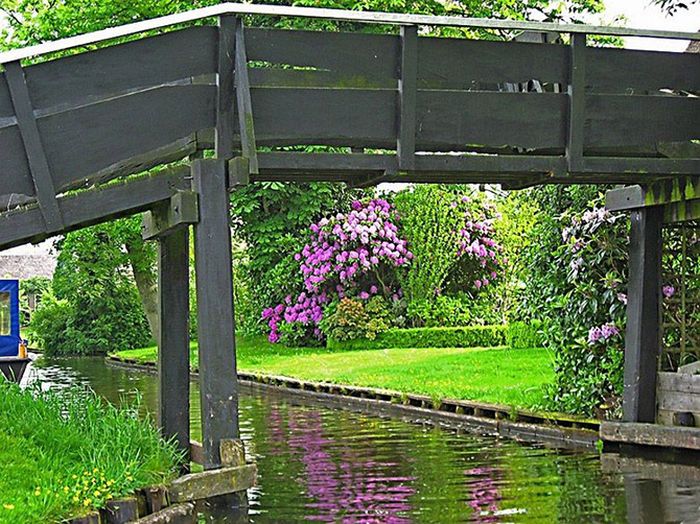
[{"x": 82, "y": 117}]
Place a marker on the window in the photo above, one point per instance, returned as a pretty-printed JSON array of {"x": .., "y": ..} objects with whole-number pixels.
[{"x": 5, "y": 313}]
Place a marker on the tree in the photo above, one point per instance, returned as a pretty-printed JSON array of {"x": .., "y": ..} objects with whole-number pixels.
[{"x": 673, "y": 6}]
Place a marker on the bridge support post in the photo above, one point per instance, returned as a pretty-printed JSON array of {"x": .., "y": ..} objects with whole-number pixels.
[
  {"x": 643, "y": 315},
  {"x": 215, "y": 324},
  {"x": 173, "y": 346}
]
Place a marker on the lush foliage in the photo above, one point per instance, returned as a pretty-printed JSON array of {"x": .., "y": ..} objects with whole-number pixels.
[
  {"x": 438, "y": 337},
  {"x": 34, "y": 287},
  {"x": 451, "y": 234},
  {"x": 513, "y": 378},
  {"x": 576, "y": 283},
  {"x": 354, "y": 254},
  {"x": 523, "y": 335},
  {"x": 62, "y": 454},
  {"x": 98, "y": 307}
]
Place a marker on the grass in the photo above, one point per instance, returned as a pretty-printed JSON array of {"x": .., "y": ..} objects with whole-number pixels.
[
  {"x": 63, "y": 454},
  {"x": 496, "y": 375}
]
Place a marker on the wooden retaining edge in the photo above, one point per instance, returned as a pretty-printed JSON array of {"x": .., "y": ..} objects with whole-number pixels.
[
  {"x": 648, "y": 469},
  {"x": 175, "y": 504},
  {"x": 482, "y": 418},
  {"x": 655, "y": 435}
]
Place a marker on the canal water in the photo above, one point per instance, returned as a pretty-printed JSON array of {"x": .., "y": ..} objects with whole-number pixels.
[{"x": 327, "y": 465}]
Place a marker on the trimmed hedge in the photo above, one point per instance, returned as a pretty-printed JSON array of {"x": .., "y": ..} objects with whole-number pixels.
[
  {"x": 521, "y": 335},
  {"x": 435, "y": 337}
]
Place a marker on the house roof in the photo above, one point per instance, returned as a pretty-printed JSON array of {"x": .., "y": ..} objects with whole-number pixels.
[{"x": 23, "y": 267}]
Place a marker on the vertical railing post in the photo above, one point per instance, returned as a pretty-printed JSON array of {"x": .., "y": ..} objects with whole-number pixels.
[
  {"x": 173, "y": 346},
  {"x": 215, "y": 324},
  {"x": 642, "y": 342},
  {"x": 408, "y": 92},
  {"x": 577, "y": 103}
]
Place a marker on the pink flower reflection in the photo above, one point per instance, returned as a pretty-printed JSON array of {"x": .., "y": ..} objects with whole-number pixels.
[{"x": 344, "y": 487}]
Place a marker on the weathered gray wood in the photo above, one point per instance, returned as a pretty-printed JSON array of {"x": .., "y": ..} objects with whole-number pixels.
[
  {"x": 120, "y": 511},
  {"x": 246, "y": 125},
  {"x": 631, "y": 71},
  {"x": 215, "y": 324},
  {"x": 649, "y": 469},
  {"x": 94, "y": 206},
  {"x": 225, "y": 87},
  {"x": 680, "y": 382},
  {"x": 406, "y": 141},
  {"x": 182, "y": 513},
  {"x": 369, "y": 55},
  {"x": 132, "y": 125},
  {"x": 15, "y": 176},
  {"x": 33, "y": 147},
  {"x": 460, "y": 63},
  {"x": 642, "y": 340},
  {"x": 577, "y": 102},
  {"x": 650, "y": 435},
  {"x": 179, "y": 211},
  {"x": 149, "y": 62},
  {"x": 174, "y": 343},
  {"x": 238, "y": 172},
  {"x": 676, "y": 401},
  {"x": 659, "y": 192},
  {"x": 624, "y": 120},
  {"x": 232, "y": 452},
  {"x": 197, "y": 486},
  {"x": 331, "y": 14}
]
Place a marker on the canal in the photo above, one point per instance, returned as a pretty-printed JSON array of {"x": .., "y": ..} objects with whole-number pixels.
[{"x": 326, "y": 465}]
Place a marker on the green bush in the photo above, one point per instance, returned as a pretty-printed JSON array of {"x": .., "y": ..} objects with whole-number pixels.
[
  {"x": 353, "y": 319},
  {"x": 523, "y": 335},
  {"x": 437, "y": 337}
]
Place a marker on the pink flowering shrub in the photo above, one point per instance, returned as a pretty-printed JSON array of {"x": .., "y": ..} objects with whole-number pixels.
[{"x": 355, "y": 254}]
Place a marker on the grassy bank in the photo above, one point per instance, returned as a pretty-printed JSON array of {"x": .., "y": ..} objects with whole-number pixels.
[
  {"x": 64, "y": 454},
  {"x": 497, "y": 375}
]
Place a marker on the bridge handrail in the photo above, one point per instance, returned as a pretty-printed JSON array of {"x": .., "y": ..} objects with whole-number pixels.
[{"x": 369, "y": 17}]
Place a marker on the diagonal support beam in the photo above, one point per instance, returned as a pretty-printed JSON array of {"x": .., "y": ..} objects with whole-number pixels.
[
  {"x": 245, "y": 105},
  {"x": 36, "y": 156}
]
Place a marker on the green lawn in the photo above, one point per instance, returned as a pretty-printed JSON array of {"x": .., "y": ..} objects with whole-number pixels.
[
  {"x": 63, "y": 454},
  {"x": 498, "y": 375}
]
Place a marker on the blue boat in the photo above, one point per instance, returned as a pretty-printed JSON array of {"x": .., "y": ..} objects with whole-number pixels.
[{"x": 13, "y": 352}]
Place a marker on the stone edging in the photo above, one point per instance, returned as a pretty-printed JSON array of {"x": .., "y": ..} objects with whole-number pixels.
[{"x": 473, "y": 417}]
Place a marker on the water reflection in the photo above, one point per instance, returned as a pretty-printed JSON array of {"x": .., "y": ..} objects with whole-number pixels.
[{"x": 324, "y": 465}]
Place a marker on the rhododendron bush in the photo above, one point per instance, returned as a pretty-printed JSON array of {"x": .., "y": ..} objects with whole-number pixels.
[{"x": 355, "y": 254}]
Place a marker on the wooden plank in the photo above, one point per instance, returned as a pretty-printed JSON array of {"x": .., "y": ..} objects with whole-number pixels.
[
  {"x": 660, "y": 192},
  {"x": 650, "y": 435},
  {"x": 635, "y": 72},
  {"x": 208, "y": 484},
  {"x": 132, "y": 125},
  {"x": 7, "y": 110},
  {"x": 225, "y": 88},
  {"x": 406, "y": 140},
  {"x": 44, "y": 188},
  {"x": 369, "y": 55},
  {"x": 643, "y": 500},
  {"x": 452, "y": 119},
  {"x": 577, "y": 102},
  {"x": 648, "y": 469},
  {"x": 91, "y": 207},
  {"x": 460, "y": 63},
  {"x": 622, "y": 120},
  {"x": 677, "y": 401},
  {"x": 244, "y": 107},
  {"x": 215, "y": 324},
  {"x": 641, "y": 166},
  {"x": 642, "y": 337},
  {"x": 174, "y": 343},
  {"x": 15, "y": 176},
  {"x": 273, "y": 77},
  {"x": 102, "y": 73}
]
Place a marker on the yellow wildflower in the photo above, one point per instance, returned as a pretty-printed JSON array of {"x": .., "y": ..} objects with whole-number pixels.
[
  {"x": 8, "y": 506},
  {"x": 37, "y": 492},
  {"x": 87, "y": 502},
  {"x": 66, "y": 489},
  {"x": 97, "y": 493}
]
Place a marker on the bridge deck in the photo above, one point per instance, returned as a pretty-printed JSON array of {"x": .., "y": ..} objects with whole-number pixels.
[{"x": 377, "y": 107}]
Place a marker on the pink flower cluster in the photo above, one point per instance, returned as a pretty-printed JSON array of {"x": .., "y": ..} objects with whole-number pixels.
[
  {"x": 348, "y": 255},
  {"x": 477, "y": 243},
  {"x": 602, "y": 333}
]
